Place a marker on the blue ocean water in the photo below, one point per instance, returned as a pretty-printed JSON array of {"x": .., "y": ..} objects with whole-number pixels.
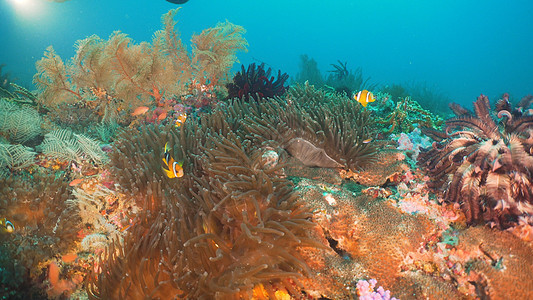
[{"x": 464, "y": 48}]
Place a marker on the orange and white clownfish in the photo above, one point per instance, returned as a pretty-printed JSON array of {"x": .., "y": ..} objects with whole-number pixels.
[
  {"x": 173, "y": 169},
  {"x": 364, "y": 97},
  {"x": 6, "y": 226}
]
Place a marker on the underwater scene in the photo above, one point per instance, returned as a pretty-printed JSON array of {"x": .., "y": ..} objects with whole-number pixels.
[{"x": 193, "y": 149}]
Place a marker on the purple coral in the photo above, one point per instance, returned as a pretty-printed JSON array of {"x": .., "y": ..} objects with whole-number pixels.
[{"x": 367, "y": 291}]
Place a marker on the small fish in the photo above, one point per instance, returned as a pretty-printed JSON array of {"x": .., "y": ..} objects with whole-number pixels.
[
  {"x": 178, "y": 1},
  {"x": 68, "y": 258},
  {"x": 173, "y": 169},
  {"x": 75, "y": 182},
  {"x": 367, "y": 141},
  {"x": 126, "y": 227},
  {"x": 181, "y": 119},
  {"x": 364, "y": 97},
  {"x": 162, "y": 116},
  {"x": 140, "y": 110},
  {"x": 6, "y": 226}
]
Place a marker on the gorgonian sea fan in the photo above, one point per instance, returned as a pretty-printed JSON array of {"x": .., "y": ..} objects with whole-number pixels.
[
  {"x": 484, "y": 162},
  {"x": 255, "y": 80}
]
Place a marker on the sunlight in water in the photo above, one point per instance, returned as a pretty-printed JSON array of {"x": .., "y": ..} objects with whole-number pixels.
[{"x": 28, "y": 8}]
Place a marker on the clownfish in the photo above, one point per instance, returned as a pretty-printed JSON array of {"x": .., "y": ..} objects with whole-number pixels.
[
  {"x": 364, "y": 97},
  {"x": 6, "y": 226},
  {"x": 181, "y": 119},
  {"x": 173, "y": 169}
]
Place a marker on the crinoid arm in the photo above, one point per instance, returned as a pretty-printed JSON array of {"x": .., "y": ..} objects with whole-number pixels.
[
  {"x": 458, "y": 110},
  {"x": 484, "y": 165}
]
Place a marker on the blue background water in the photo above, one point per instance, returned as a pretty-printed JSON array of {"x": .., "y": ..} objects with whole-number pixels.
[{"x": 463, "y": 47}]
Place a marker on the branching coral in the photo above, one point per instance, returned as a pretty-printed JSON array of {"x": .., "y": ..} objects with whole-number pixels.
[
  {"x": 255, "y": 81},
  {"x": 141, "y": 73},
  {"x": 485, "y": 164},
  {"x": 406, "y": 114}
]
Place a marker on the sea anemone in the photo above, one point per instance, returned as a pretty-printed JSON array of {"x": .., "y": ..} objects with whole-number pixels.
[
  {"x": 484, "y": 162},
  {"x": 256, "y": 81},
  {"x": 230, "y": 226}
]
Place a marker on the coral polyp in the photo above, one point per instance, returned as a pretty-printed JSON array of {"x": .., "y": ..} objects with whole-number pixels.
[{"x": 484, "y": 162}]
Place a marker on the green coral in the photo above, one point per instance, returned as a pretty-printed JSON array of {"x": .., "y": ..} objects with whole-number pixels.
[{"x": 407, "y": 115}]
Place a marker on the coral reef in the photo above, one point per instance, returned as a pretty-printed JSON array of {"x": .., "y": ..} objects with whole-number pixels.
[
  {"x": 484, "y": 164},
  {"x": 45, "y": 224},
  {"x": 231, "y": 225},
  {"x": 284, "y": 192},
  {"x": 430, "y": 97},
  {"x": 368, "y": 238},
  {"x": 396, "y": 91},
  {"x": 342, "y": 80},
  {"x": 367, "y": 291},
  {"x": 330, "y": 121},
  {"x": 406, "y": 115},
  {"x": 254, "y": 81},
  {"x": 234, "y": 220},
  {"x": 388, "y": 167}
]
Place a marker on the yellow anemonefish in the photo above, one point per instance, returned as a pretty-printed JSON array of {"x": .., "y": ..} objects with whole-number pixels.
[
  {"x": 6, "y": 226},
  {"x": 181, "y": 119},
  {"x": 364, "y": 97},
  {"x": 174, "y": 169}
]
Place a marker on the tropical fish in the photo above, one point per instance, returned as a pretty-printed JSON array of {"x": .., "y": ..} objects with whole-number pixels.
[
  {"x": 364, "y": 97},
  {"x": 178, "y": 1},
  {"x": 68, "y": 258},
  {"x": 173, "y": 169},
  {"x": 162, "y": 116},
  {"x": 75, "y": 182},
  {"x": 140, "y": 110},
  {"x": 367, "y": 141},
  {"x": 181, "y": 119},
  {"x": 6, "y": 226}
]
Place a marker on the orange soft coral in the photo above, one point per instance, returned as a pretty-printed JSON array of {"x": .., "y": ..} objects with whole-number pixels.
[{"x": 139, "y": 73}]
